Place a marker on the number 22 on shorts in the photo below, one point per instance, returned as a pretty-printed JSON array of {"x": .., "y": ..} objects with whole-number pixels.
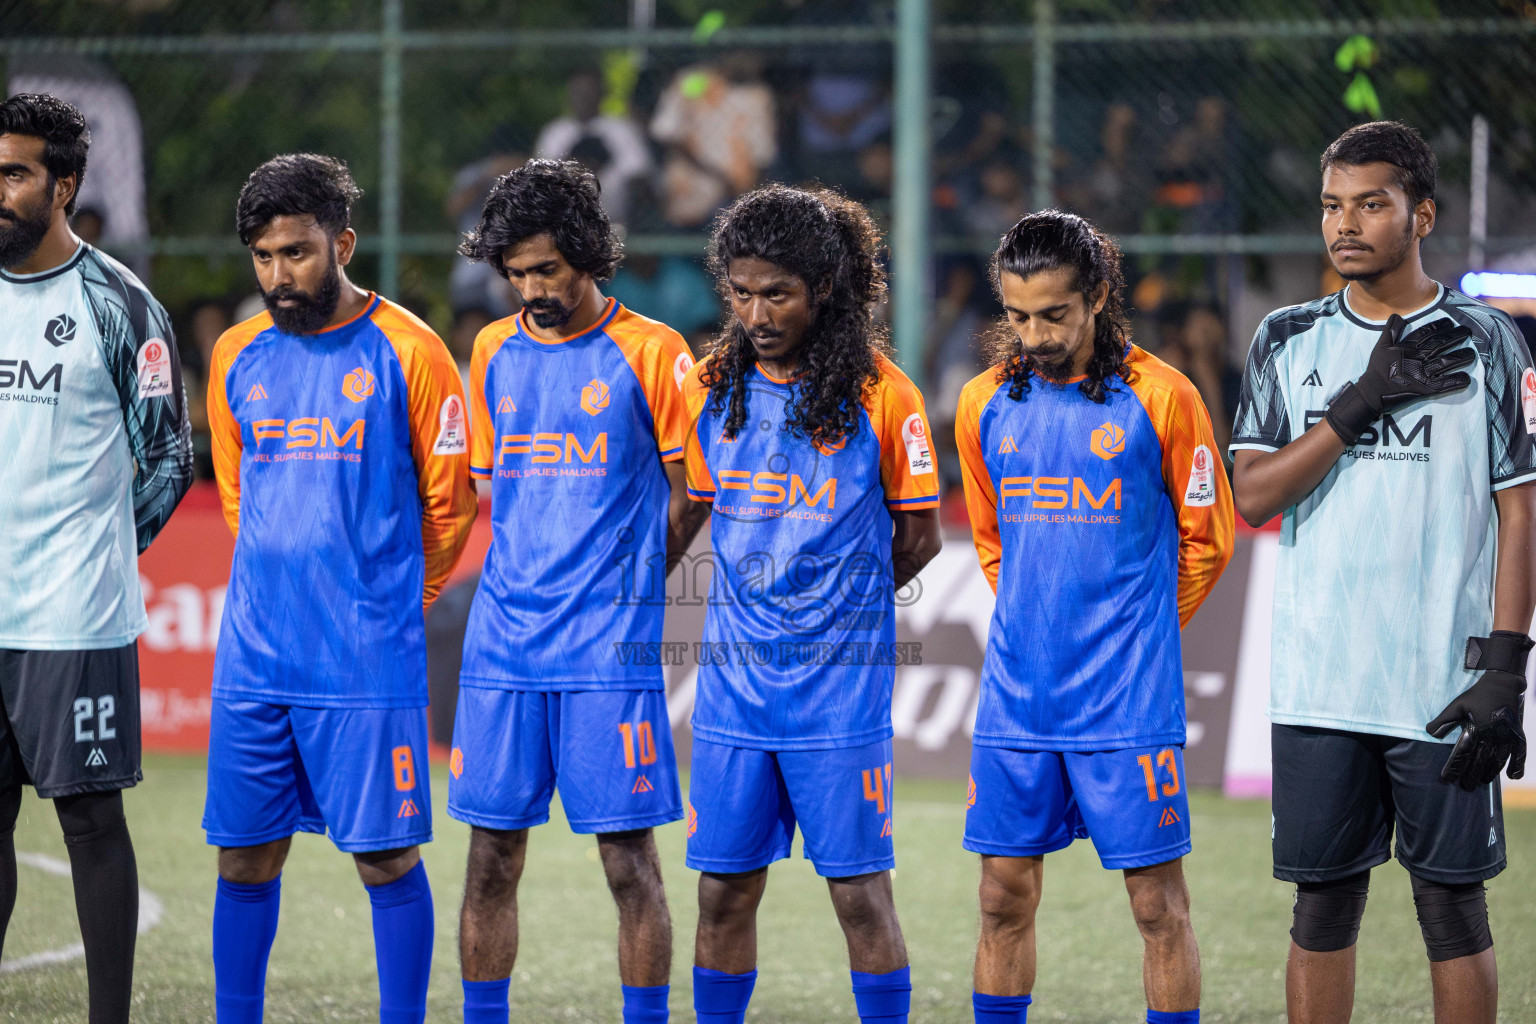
[{"x": 1165, "y": 759}]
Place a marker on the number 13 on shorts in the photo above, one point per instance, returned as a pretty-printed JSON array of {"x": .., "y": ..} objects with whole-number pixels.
[{"x": 1167, "y": 762}]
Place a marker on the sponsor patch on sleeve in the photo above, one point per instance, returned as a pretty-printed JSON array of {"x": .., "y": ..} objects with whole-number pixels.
[
  {"x": 1201, "y": 489},
  {"x": 680, "y": 367},
  {"x": 154, "y": 369},
  {"x": 1528, "y": 399},
  {"x": 915, "y": 436},
  {"x": 452, "y": 432}
]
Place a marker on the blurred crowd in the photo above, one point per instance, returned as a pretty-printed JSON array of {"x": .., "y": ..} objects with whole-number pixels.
[{"x": 708, "y": 132}]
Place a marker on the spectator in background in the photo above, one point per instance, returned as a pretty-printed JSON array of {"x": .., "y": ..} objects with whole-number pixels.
[
  {"x": 209, "y": 319},
  {"x": 477, "y": 295},
  {"x": 88, "y": 225},
  {"x": 1115, "y": 191},
  {"x": 719, "y": 128},
  {"x": 1194, "y": 171},
  {"x": 613, "y": 147},
  {"x": 1002, "y": 195},
  {"x": 1194, "y": 342},
  {"x": 672, "y": 289}
]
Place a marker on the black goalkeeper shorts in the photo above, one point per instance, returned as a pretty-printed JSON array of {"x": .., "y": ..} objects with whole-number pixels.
[
  {"x": 1339, "y": 796},
  {"x": 69, "y": 720}
]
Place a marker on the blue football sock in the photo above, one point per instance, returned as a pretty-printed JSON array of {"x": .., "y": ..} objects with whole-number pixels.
[
  {"x": 1173, "y": 1016},
  {"x": 999, "y": 1009},
  {"x": 402, "y": 945},
  {"x": 883, "y": 998},
  {"x": 645, "y": 1004},
  {"x": 244, "y": 924},
  {"x": 720, "y": 998},
  {"x": 485, "y": 1002}
]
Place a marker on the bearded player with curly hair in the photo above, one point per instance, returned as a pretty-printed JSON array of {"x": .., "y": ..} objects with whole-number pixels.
[
  {"x": 812, "y": 448},
  {"x": 1102, "y": 520}
]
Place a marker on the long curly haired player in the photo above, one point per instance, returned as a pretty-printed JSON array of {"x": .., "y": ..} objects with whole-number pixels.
[{"x": 812, "y": 448}]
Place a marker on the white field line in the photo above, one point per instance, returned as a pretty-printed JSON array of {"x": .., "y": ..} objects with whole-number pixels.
[{"x": 151, "y": 911}]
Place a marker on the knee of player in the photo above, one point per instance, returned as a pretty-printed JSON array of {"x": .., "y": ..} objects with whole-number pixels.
[
  {"x": 633, "y": 873},
  {"x": 495, "y": 863},
  {"x": 1326, "y": 915},
  {"x": 1452, "y": 918},
  {"x": 1008, "y": 902},
  {"x": 1160, "y": 909},
  {"x": 10, "y": 809},
  {"x": 87, "y": 817},
  {"x": 729, "y": 899},
  {"x": 253, "y": 865}
]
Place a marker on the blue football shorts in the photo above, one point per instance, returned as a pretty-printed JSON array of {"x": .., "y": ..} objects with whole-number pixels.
[
  {"x": 609, "y": 752},
  {"x": 358, "y": 773},
  {"x": 1132, "y": 803},
  {"x": 744, "y": 805}
]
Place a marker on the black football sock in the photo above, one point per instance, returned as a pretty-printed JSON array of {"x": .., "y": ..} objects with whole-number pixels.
[
  {"x": 106, "y": 878},
  {"x": 10, "y": 807}
]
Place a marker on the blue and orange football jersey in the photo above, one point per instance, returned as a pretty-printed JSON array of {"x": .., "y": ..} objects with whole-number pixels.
[
  {"x": 1101, "y": 529},
  {"x": 799, "y": 648},
  {"x": 343, "y": 466},
  {"x": 573, "y": 435}
]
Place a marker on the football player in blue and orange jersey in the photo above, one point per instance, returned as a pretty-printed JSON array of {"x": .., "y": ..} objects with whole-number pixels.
[
  {"x": 812, "y": 448},
  {"x": 578, "y": 423},
  {"x": 341, "y": 444},
  {"x": 1103, "y": 518}
]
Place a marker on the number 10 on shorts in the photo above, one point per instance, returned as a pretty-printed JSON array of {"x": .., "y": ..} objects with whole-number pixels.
[{"x": 638, "y": 734}]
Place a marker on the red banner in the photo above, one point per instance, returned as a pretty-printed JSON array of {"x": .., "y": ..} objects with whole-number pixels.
[{"x": 184, "y": 574}]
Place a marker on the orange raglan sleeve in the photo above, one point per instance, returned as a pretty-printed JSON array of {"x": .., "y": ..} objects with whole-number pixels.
[
  {"x": 980, "y": 495},
  {"x": 1196, "y": 481},
  {"x": 482, "y": 429},
  {"x": 227, "y": 443},
  {"x": 907, "y": 467},
  {"x": 701, "y": 481},
  {"x": 440, "y": 434},
  {"x": 661, "y": 360}
]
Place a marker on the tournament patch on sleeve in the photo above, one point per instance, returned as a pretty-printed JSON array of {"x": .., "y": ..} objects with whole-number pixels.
[
  {"x": 452, "y": 433},
  {"x": 155, "y": 369},
  {"x": 915, "y": 436},
  {"x": 1528, "y": 399},
  {"x": 1201, "y": 489},
  {"x": 680, "y": 367}
]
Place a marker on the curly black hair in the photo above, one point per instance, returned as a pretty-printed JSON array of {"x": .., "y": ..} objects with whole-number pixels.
[
  {"x": 1050, "y": 240},
  {"x": 1388, "y": 142},
  {"x": 560, "y": 198},
  {"x": 293, "y": 185},
  {"x": 66, "y": 138},
  {"x": 829, "y": 242}
]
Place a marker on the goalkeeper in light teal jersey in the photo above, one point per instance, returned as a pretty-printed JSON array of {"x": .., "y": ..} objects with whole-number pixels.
[{"x": 1391, "y": 426}]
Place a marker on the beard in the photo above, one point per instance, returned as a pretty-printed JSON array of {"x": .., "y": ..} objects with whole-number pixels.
[
  {"x": 310, "y": 312},
  {"x": 548, "y": 313},
  {"x": 1054, "y": 364},
  {"x": 23, "y": 230},
  {"x": 1394, "y": 259}
]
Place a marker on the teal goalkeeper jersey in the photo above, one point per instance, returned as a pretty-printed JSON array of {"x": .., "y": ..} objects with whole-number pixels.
[
  {"x": 95, "y": 451},
  {"x": 1387, "y": 567}
]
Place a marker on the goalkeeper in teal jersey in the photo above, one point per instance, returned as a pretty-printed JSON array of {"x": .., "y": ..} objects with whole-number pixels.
[
  {"x": 1391, "y": 424},
  {"x": 98, "y": 451}
]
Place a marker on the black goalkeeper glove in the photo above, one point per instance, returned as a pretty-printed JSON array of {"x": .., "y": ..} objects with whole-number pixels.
[
  {"x": 1402, "y": 371},
  {"x": 1489, "y": 713}
]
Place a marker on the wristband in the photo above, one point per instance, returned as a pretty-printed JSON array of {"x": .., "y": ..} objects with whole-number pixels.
[
  {"x": 1502, "y": 650},
  {"x": 1350, "y": 414}
]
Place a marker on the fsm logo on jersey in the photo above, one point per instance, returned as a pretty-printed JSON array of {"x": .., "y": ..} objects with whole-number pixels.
[{"x": 59, "y": 330}]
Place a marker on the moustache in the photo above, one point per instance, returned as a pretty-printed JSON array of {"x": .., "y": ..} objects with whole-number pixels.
[{"x": 1336, "y": 246}]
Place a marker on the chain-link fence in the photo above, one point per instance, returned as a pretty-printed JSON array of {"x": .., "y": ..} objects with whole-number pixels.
[{"x": 1190, "y": 129}]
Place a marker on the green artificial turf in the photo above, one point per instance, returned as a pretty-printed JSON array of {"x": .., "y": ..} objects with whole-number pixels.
[{"x": 322, "y": 965}]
